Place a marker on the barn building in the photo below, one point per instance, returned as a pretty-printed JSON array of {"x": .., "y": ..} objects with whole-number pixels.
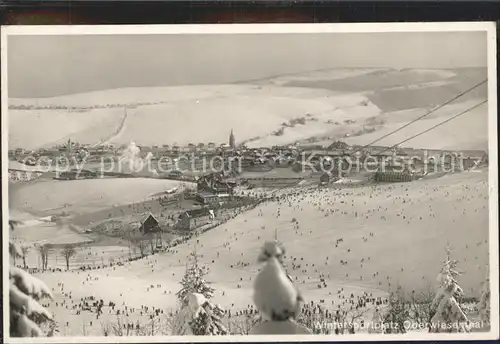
[{"x": 149, "y": 224}]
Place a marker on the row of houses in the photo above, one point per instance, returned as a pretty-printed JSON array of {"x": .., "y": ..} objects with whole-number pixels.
[
  {"x": 77, "y": 174},
  {"x": 22, "y": 176},
  {"x": 187, "y": 220},
  {"x": 206, "y": 198},
  {"x": 212, "y": 190}
]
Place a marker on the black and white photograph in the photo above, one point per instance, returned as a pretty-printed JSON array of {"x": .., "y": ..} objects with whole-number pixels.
[{"x": 257, "y": 181}]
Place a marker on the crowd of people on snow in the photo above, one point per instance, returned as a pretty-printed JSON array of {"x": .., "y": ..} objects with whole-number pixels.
[{"x": 300, "y": 270}]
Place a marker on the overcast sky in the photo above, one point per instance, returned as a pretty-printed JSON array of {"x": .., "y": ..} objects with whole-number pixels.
[{"x": 44, "y": 66}]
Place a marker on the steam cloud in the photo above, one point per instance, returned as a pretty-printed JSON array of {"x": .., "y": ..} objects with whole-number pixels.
[{"x": 131, "y": 158}]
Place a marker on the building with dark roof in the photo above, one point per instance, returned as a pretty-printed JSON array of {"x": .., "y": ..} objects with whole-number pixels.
[
  {"x": 213, "y": 183},
  {"x": 149, "y": 224},
  {"x": 207, "y": 198},
  {"x": 338, "y": 145}
]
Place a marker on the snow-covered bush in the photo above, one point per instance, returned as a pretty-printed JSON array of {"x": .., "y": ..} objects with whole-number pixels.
[
  {"x": 26, "y": 314},
  {"x": 243, "y": 324}
]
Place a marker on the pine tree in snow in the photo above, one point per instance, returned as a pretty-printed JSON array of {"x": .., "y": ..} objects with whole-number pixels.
[
  {"x": 448, "y": 315},
  {"x": 194, "y": 281},
  {"x": 208, "y": 321},
  {"x": 26, "y": 313},
  {"x": 197, "y": 316},
  {"x": 484, "y": 303}
]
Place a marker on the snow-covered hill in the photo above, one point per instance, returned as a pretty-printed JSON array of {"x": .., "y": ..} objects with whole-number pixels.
[{"x": 256, "y": 112}]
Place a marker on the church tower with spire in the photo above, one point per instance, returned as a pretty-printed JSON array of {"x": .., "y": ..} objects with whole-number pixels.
[{"x": 232, "y": 142}]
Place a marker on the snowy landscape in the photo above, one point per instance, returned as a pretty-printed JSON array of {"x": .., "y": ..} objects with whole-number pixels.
[{"x": 207, "y": 209}]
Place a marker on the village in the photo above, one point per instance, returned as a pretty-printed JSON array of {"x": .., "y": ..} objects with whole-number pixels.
[
  {"x": 75, "y": 160},
  {"x": 219, "y": 190},
  {"x": 207, "y": 199}
]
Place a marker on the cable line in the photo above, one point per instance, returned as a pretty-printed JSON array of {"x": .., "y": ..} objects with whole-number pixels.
[
  {"x": 424, "y": 115},
  {"x": 435, "y": 126}
]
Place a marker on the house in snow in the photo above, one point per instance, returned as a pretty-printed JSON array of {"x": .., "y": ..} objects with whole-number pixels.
[
  {"x": 195, "y": 218},
  {"x": 149, "y": 224},
  {"x": 207, "y": 198},
  {"x": 150, "y": 228},
  {"x": 214, "y": 183}
]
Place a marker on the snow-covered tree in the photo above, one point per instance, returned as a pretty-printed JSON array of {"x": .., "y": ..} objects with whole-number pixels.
[
  {"x": 484, "y": 303},
  {"x": 448, "y": 315},
  {"x": 194, "y": 281},
  {"x": 197, "y": 316},
  {"x": 26, "y": 313},
  {"x": 208, "y": 321}
]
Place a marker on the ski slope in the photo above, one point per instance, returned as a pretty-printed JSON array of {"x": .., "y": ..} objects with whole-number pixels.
[{"x": 410, "y": 225}]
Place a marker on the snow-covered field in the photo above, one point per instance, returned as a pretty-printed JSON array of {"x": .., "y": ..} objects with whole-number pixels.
[
  {"x": 52, "y": 197},
  {"x": 450, "y": 136},
  {"x": 410, "y": 225},
  {"x": 230, "y": 106},
  {"x": 36, "y": 232},
  {"x": 49, "y": 127},
  {"x": 254, "y": 111}
]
